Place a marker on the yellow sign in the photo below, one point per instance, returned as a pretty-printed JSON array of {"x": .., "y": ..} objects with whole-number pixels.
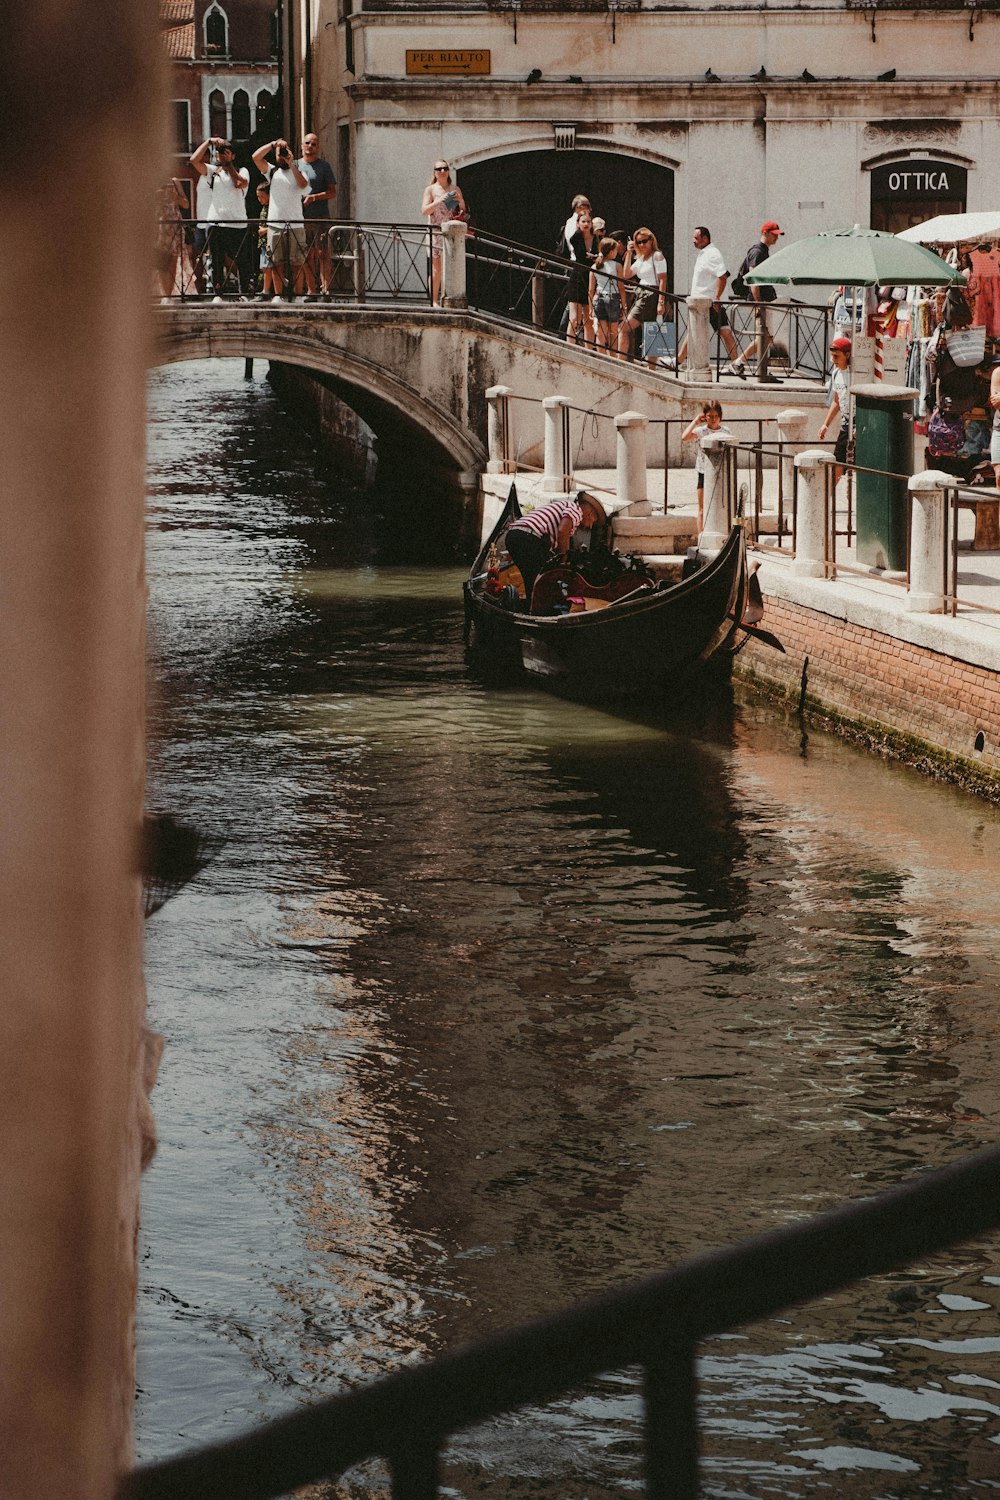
[{"x": 447, "y": 60}]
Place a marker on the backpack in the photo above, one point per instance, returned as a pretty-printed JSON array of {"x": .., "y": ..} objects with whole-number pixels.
[{"x": 739, "y": 287}]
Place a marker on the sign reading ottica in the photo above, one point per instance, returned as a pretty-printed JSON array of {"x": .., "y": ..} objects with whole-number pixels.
[
  {"x": 441, "y": 61},
  {"x": 919, "y": 179}
]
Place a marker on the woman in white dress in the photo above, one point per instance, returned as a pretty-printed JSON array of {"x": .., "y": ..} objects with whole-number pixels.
[{"x": 442, "y": 201}]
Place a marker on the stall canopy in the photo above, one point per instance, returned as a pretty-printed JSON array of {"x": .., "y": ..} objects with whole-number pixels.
[
  {"x": 955, "y": 229},
  {"x": 855, "y": 257}
]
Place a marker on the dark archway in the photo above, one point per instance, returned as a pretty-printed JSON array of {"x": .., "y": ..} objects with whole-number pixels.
[{"x": 526, "y": 196}]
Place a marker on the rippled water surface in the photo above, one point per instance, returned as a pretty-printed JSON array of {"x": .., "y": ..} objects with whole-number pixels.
[{"x": 489, "y": 1002}]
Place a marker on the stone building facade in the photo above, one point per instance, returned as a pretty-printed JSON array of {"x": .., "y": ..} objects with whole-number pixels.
[
  {"x": 816, "y": 114},
  {"x": 223, "y": 71}
]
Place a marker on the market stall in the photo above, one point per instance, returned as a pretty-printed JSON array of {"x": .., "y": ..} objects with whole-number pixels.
[{"x": 954, "y": 344}]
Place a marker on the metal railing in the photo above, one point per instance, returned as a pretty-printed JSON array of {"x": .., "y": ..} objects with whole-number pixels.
[
  {"x": 656, "y": 1324},
  {"x": 361, "y": 262},
  {"x": 345, "y": 261}
]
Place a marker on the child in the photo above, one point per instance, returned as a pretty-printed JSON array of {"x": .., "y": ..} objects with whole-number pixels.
[
  {"x": 270, "y": 281},
  {"x": 606, "y": 297},
  {"x": 708, "y": 423}
]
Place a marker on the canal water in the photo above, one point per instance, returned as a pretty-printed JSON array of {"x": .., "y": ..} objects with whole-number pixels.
[{"x": 488, "y": 1002}]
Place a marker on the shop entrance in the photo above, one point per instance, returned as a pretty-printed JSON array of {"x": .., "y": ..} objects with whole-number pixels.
[{"x": 916, "y": 189}]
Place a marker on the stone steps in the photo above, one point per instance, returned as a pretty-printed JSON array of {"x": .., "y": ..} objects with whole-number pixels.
[{"x": 654, "y": 536}]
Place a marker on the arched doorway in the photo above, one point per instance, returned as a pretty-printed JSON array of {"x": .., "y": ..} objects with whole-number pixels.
[{"x": 526, "y": 196}]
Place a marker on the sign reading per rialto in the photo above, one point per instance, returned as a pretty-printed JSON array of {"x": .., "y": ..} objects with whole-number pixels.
[{"x": 438, "y": 60}]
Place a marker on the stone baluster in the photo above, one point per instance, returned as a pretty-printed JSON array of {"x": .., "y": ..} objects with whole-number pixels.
[
  {"x": 557, "y": 474},
  {"x": 699, "y": 355},
  {"x": 718, "y": 518},
  {"x": 811, "y": 528},
  {"x": 631, "y": 482},
  {"x": 453, "y": 286},
  {"x": 927, "y": 531},
  {"x": 499, "y": 438}
]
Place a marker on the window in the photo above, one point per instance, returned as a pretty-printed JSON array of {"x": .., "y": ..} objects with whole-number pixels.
[
  {"x": 275, "y": 34},
  {"x": 216, "y": 32},
  {"x": 182, "y": 127},
  {"x": 241, "y": 116},
  {"x": 265, "y": 124},
  {"x": 217, "y": 122}
]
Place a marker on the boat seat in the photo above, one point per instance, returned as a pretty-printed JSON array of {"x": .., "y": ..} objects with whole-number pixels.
[{"x": 548, "y": 590}]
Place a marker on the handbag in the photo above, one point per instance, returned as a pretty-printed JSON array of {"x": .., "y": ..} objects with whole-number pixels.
[
  {"x": 658, "y": 338},
  {"x": 945, "y": 434},
  {"x": 967, "y": 346}
]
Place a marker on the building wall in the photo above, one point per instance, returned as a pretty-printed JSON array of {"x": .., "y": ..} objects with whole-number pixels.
[{"x": 743, "y": 148}]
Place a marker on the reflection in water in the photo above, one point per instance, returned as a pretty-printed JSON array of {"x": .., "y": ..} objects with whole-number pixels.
[{"x": 491, "y": 1001}]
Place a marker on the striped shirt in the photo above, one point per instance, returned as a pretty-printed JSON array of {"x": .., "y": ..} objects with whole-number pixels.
[{"x": 545, "y": 521}]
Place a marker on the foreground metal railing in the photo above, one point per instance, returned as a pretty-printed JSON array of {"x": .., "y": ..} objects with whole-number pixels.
[{"x": 656, "y": 1324}]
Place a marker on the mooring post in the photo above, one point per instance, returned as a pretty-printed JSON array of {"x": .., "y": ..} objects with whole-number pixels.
[
  {"x": 498, "y": 434},
  {"x": 557, "y": 474},
  {"x": 631, "y": 481},
  {"x": 811, "y": 521},
  {"x": 718, "y": 518},
  {"x": 926, "y": 592}
]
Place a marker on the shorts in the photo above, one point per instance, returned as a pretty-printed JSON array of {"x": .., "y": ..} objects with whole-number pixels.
[
  {"x": 287, "y": 246},
  {"x": 608, "y": 309},
  {"x": 317, "y": 232},
  {"x": 644, "y": 304},
  {"x": 718, "y": 317},
  {"x": 840, "y": 446},
  {"x": 995, "y": 446}
]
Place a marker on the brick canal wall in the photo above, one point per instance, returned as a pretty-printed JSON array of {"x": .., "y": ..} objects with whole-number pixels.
[{"x": 907, "y": 701}]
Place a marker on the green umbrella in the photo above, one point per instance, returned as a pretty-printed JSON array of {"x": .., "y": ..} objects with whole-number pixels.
[{"x": 856, "y": 257}]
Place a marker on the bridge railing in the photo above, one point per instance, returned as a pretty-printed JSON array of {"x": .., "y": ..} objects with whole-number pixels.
[
  {"x": 390, "y": 262},
  {"x": 655, "y": 1324},
  {"x": 343, "y": 261}
]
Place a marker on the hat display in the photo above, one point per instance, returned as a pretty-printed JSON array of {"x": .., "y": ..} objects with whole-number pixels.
[
  {"x": 771, "y": 228},
  {"x": 841, "y": 345}
]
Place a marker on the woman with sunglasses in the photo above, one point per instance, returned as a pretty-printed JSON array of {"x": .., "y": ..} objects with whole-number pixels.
[
  {"x": 646, "y": 267},
  {"x": 442, "y": 201}
]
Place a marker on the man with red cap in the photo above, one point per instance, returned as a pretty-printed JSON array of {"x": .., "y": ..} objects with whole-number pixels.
[{"x": 761, "y": 295}]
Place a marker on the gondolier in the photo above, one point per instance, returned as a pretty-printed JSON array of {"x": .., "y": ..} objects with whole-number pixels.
[{"x": 548, "y": 529}]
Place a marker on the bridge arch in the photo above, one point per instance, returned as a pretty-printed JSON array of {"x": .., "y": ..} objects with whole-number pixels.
[{"x": 409, "y": 417}]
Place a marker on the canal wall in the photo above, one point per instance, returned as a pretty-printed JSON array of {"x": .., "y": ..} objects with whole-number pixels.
[
  {"x": 920, "y": 689},
  {"x": 345, "y": 440}
]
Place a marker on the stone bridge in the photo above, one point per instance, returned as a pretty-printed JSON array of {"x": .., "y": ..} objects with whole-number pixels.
[{"x": 419, "y": 375}]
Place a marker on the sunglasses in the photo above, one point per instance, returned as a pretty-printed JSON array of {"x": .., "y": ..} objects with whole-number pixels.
[
  {"x": 641, "y": 239},
  {"x": 442, "y": 167}
]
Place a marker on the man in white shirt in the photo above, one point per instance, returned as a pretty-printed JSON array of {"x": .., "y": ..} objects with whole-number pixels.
[
  {"x": 286, "y": 236},
  {"x": 227, "y": 213},
  {"x": 708, "y": 279}
]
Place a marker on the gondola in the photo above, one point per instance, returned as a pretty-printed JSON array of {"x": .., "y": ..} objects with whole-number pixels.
[{"x": 600, "y": 626}]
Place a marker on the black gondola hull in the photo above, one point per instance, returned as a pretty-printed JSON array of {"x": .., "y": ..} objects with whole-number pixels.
[{"x": 635, "y": 646}]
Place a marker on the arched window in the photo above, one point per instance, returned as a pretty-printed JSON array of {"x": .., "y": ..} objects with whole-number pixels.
[
  {"x": 217, "y": 122},
  {"x": 216, "y": 32},
  {"x": 265, "y": 103},
  {"x": 241, "y": 116}
]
